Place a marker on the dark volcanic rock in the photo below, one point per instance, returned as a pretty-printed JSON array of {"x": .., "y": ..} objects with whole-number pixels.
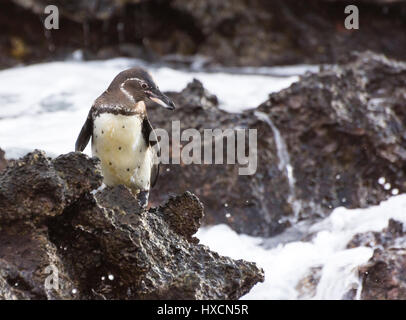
[
  {"x": 265, "y": 32},
  {"x": 252, "y": 204},
  {"x": 322, "y": 143},
  {"x": 102, "y": 245},
  {"x": 27, "y": 258},
  {"x": 344, "y": 128},
  {"x": 230, "y": 32},
  {"x": 33, "y": 187},
  {"x": 383, "y": 276}
]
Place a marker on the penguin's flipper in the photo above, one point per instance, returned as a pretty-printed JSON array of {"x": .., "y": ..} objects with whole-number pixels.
[
  {"x": 152, "y": 140},
  {"x": 85, "y": 134},
  {"x": 148, "y": 133}
]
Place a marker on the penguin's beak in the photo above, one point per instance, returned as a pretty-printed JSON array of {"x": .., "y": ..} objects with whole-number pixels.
[{"x": 161, "y": 99}]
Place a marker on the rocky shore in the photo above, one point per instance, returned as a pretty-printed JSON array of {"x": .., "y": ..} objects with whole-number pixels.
[
  {"x": 62, "y": 237},
  {"x": 334, "y": 138},
  {"x": 327, "y": 141},
  {"x": 382, "y": 277}
]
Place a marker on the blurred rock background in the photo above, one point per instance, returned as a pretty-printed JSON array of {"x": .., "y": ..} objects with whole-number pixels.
[{"x": 237, "y": 32}]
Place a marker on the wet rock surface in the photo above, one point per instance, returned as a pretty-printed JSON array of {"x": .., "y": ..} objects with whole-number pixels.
[
  {"x": 326, "y": 141},
  {"x": 252, "y": 204},
  {"x": 383, "y": 276},
  {"x": 344, "y": 132},
  {"x": 101, "y": 244},
  {"x": 237, "y": 32}
]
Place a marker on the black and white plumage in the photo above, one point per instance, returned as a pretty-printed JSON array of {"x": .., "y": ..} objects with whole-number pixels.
[{"x": 122, "y": 136}]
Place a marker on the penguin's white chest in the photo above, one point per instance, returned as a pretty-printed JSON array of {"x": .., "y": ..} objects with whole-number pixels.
[{"x": 119, "y": 144}]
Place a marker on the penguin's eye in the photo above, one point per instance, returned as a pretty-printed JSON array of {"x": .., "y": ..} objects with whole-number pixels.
[{"x": 144, "y": 85}]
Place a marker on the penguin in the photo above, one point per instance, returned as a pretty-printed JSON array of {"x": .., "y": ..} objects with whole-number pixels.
[{"x": 122, "y": 136}]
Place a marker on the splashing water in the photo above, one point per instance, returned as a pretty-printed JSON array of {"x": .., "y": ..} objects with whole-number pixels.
[
  {"x": 27, "y": 123},
  {"x": 287, "y": 264},
  {"x": 284, "y": 162}
]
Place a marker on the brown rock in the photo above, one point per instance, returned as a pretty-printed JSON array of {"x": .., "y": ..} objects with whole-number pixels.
[
  {"x": 254, "y": 205},
  {"x": 383, "y": 276},
  {"x": 322, "y": 143},
  {"x": 101, "y": 244},
  {"x": 347, "y": 133},
  {"x": 231, "y": 32}
]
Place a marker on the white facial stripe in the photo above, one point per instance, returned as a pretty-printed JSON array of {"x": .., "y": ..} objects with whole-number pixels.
[
  {"x": 125, "y": 91},
  {"x": 128, "y": 95},
  {"x": 159, "y": 101}
]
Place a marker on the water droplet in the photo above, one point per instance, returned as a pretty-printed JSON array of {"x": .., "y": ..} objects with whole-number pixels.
[
  {"x": 395, "y": 191},
  {"x": 111, "y": 277},
  {"x": 344, "y": 200},
  {"x": 167, "y": 169},
  {"x": 103, "y": 278},
  {"x": 387, "y": 186},
  {"x": 74, "y": 291},
  {"x": 226, "y": 205},
  {"x": 228, "y": 215},
  {"x": 338, "y": 177},
  {"x": 381, "y": 180}
]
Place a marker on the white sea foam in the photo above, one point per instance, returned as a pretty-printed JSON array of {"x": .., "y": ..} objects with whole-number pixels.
[
  {"x": 287, "y": 263},
  {"x": 44, "y": 105}
]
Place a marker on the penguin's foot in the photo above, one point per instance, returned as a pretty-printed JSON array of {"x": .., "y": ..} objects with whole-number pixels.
[{"x": 142, "y": 198}]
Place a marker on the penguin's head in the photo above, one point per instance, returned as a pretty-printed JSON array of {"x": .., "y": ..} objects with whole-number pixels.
[{"x": 137, "y": 85}]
